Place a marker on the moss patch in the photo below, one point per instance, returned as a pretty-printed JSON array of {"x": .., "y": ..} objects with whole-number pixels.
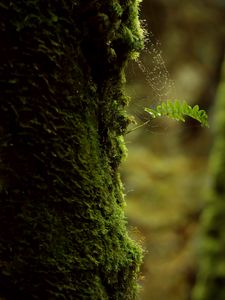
[{"x": 62, "y": 120}]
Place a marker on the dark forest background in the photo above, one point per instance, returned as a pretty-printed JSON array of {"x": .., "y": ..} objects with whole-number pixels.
[{"x": 166, "y": 175}]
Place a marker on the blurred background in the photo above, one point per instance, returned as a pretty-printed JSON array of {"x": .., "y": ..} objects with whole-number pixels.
[{"x": 166, "y": 174}]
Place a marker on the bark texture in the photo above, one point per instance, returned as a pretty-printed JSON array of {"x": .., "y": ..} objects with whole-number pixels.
[
  {"x": 211, "y": 278},
  {"x": 63, "y": 231}
]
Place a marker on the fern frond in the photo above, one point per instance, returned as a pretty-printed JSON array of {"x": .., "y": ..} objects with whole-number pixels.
[{"x": 178, "y": 110}]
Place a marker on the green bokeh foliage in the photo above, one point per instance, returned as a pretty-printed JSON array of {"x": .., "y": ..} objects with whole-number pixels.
[{"x": 211, "y": 278}]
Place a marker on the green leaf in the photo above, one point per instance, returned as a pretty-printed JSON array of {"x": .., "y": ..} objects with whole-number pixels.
[{"x": 178, "y": 110}]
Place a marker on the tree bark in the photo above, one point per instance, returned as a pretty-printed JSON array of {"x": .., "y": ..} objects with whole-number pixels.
[{"x": 63, "y": 231}]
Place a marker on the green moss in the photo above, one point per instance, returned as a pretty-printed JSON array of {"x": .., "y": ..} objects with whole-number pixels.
[
  {"x": 62, "y": 121},
  {"x": 211, "y": 277}
]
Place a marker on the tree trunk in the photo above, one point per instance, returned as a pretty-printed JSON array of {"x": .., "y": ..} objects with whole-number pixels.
[
  {"x": 63, "y": 231},
  {"x": 211, "y": 278}
]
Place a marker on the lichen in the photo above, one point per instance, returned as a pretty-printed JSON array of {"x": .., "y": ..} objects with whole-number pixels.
[{"x": 62, "y": 125}]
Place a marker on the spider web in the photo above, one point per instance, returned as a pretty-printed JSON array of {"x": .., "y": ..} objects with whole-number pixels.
[{"x": 149, "y": 82}]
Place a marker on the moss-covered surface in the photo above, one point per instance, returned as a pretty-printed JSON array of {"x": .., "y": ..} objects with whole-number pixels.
[
  {"x": 63, "y": 232},
  {"x": 211, "y": 278}
]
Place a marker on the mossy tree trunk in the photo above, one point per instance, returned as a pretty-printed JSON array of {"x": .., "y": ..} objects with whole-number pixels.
[
  {"x": 211, "y": 278},
  {"x": 63, "y": 232}
]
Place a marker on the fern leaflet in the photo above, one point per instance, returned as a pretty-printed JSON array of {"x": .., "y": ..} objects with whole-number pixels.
[{"x": 178, "y": 110}]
